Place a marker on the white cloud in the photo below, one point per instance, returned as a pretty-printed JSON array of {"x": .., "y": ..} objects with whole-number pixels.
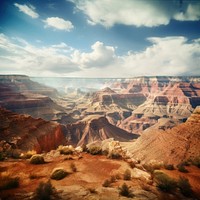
[
  {"x": 58, "y": 23},
  {"x": 18, "y": 56},
  {"x": 165, "y": 56},
  {"x": 101, "y": 56},
  {"x": 136, "y": 12},
  {"x": 27, "y": 9}
]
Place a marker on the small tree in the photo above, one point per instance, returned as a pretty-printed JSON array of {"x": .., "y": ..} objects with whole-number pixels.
[
  {"x": 184, "y": 186},
  {"x": 127, "y": 175},
  {"x": 181, "y": 168},
  {"x": 124, "y": 190}
]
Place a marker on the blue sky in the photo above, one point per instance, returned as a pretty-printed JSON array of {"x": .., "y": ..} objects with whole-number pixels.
[{"x": 100, "y": 38}]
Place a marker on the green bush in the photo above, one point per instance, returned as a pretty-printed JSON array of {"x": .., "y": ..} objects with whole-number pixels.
[
  {"x": 169, "y": 167},
  {"x": 181, "y": 168},
  {"x": 95, "y": 150},
  {"x": 44, "y": 191},
  {"x": 58, "y": 174},
  {"x": 124, "y": 190},
  {"x": 7, "y": 182},
  {"x": 127, "y": 175},
  {"x": 106, "y": 183},
  {"x": 37, "y": 159},
  {"x": 165, "y": 183},
  {"x": 185, "y": 187}
]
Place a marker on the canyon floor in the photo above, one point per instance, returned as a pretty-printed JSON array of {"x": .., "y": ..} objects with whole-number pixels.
[{"x": 86, "y": 182}]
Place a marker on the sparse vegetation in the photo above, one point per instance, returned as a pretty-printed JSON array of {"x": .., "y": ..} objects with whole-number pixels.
[
  {"x": 165, "y": 183},
  {"x": 185, "y": 187},
  {"x": 8, "y": 182},
  {"x": 37, "y": 159},
  {"x": 95, "y": 150},
  {"x": 181, "y": 168},
  {"x": 125, "y": 190},
  {"x": 66, "y": 150},
  {"x": 58, "y": 174},
  {"x": 114, "y": 155},
  {"x": 73, "y": 167},
  {"x": 92, "y": 190},
  {"x": 2, "y": 156},
  {"x": 132, "y": 164},
  {"x": 112, "y": 179},
  {"x": 106, "y": 183},
  {"x": 44, "y": 191},
  {"x": 169, "y": 167},
  {"x": 196, "y": 162},
  {"x": 127, "y": 175}
]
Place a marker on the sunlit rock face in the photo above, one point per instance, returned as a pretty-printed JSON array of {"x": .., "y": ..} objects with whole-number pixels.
[
  {"x": 171, "y": 146},
  {"x": 96, "y": 128},
  {"x": 26, "y": 133}
]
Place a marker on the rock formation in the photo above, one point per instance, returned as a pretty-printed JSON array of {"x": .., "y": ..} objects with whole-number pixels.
[
  {"x": 96, "y": 128},
  {"x": 26, "y": 133},
  {"x": 173, "y": 145}
]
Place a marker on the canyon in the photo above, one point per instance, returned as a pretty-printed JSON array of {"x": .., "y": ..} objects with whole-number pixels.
[{"x": 139, "y": 121}]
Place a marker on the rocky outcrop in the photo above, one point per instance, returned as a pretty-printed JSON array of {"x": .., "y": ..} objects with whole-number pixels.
[
  {"x": 171, "y": 146},
  {"x": 96, "y": 128},
  {"x": 26, "y": 133}
]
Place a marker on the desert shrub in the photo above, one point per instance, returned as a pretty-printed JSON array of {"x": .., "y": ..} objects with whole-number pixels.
[
  {"x": 132, "y": 164},
  {"x": 106, "y": 183},
  {"x": 169, "y": 167},
  {"x": 181, "y": 168},
  {"x": 2, "y": 156},
  {"x": 8, "y": 182},
  {"x": 37, "y": 159},
  {"x": 165, "y": 183},
  {"x": 196, "y": 162},
  {"x": 66, "y": 150},
  {"x": 117, "y": 176},
  {"x": 114, "y": 155},
  {"x": 44, "y": 191},
  {"x": 95, "y": 150},
  {"x": 124, "y": 190},
  {"x": 73, "y": 167},
  {"x": 185, "y": 187},
  {"x": 92, "y": 190},
  {"x": 127, "y": 175},
  {"x": 58, "y": 174},
  {"x": 112, "y": 179}
]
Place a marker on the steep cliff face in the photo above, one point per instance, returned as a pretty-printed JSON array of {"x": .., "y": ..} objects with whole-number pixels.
[
  {"x": 19, "y": 94},
  {"x": 26, "y": 133},
  {"x": 153, "y": 98},
  {"x": 171, "y": 146},
  {"x": 96, "y": 128}
]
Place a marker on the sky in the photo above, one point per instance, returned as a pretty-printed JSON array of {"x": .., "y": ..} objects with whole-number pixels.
[{"x": 100, "y": 38}]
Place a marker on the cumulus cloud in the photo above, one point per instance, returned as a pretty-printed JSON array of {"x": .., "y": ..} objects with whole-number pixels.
[
  {"x": 18, "y": 56},
  {"x": 27, "y": 9},
  {"x": 58, "y": 23},
  {"x": 165, "y": 56},
  {"x": 101, "y": 56},
  {"x": 136, "y": 12}
]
